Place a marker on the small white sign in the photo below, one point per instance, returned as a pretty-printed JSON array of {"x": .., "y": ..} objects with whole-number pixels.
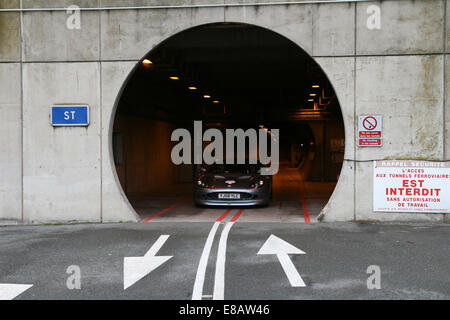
[
  {"x": 370, "y": 131},
  {"x": 411, "y": 186}
]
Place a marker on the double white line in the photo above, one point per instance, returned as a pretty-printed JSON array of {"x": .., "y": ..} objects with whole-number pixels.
[{"x": 219, "y": 279}]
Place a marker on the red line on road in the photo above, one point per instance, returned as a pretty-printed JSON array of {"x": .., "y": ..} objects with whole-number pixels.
[
  {"x": 224, "y": 215},
  {"x": 237, "y": 215},
  {"x": 304, "y": 206},
  {"x": 165, "y": 210}
]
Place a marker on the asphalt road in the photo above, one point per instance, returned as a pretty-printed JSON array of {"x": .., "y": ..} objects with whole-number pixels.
[{"x": 413, "y": 260}]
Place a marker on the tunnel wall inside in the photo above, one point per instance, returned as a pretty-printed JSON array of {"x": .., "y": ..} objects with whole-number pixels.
[
  {"x": 328, "y": 155},
  {"x": 142, "y": 164},
  {"x": 64, "y": 174}
]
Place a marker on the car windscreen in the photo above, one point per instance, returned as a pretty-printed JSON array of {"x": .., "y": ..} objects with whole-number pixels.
[{"x": 234, "y": 168}]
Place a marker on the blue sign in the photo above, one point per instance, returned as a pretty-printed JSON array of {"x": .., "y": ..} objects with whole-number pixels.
[{"x": 70, "y": 115}]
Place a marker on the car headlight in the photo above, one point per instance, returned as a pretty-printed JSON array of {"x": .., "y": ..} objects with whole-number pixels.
[
  {"x": 257, "y": 184},
  {"x": 202, "y": 184}
]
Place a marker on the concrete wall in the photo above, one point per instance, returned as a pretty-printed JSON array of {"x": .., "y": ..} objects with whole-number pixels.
[
  {"x": 10, "y": 143},
  {"x": 68, "y": 174},
  {"x": 10, "y": 116},
  {"x": 115, "y": 205},
  {"x": 61, "y": 165},
  {"x": 9, "y": 32}
]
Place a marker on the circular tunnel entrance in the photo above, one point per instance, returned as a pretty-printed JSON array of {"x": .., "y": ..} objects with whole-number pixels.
[{"x": 228, "y": 75}]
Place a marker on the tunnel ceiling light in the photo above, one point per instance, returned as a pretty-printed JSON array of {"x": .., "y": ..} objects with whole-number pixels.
[
  {"x": 311, "y": 100},
  {"x": 206, "y": 96},
  {"x": 216, "y": 101},
  {"x": 316, "y": 86},
  {"x": 174, "y": 78},
  {"x": 192, "y": 88},
  {"x": 147, "y": 62},
  {"x": 312, "y": 94}
]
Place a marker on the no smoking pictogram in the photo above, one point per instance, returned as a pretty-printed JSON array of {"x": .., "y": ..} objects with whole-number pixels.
[
  {"x": 370, "y": 132},
  {"x": 370, "y": 123}
]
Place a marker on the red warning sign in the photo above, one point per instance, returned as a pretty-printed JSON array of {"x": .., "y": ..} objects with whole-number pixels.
[
  {"x": 411, "y": 186},
  {"x": 370, "y": 123},
  {"x": 370, "y": 131}
]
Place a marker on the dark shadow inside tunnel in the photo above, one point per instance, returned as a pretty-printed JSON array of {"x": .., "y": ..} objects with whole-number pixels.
[{"x": 228, "y": 75}]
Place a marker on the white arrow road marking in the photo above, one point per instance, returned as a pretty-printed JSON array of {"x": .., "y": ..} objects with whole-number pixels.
[
  {"x": 10, "y": 291},
  {"x": 135, "y": 268},
  {"x": 282, "y": 249}
]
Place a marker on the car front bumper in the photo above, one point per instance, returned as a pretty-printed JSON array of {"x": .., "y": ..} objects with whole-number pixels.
[{"x": 249, "y": 197}]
